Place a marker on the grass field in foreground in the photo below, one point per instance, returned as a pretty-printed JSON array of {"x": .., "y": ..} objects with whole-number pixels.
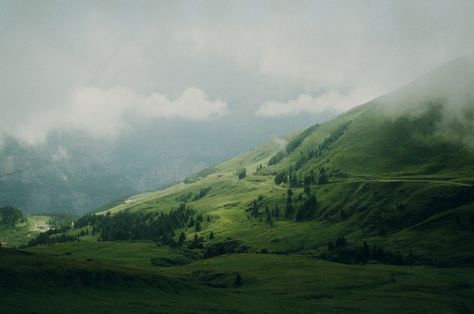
[{"x": 271, "y": 283}]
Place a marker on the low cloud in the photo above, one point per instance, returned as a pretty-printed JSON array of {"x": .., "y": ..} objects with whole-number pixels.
[
  {"x": 60, "y": 155},
  {"x": 330, "y": 101},
  {"x": 104, "y": 113},
  {"x": 446, "y": 94}
]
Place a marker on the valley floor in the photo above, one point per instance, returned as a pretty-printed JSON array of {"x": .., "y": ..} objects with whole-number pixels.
[{"x": 118, "y": 277}]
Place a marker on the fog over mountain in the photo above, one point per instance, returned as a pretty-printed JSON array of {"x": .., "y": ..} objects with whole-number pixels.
[{"x": 101, "y": 100}]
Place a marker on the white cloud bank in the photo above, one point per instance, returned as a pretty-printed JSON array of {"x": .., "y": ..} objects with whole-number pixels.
[
  {"x": 103, "y": 113},
  {"x": 244, "y": 51},
  {"x": 330, "y": 101}
]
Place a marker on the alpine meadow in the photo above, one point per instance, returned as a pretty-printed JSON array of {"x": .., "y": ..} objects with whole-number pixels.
[{"x": 202, "y": 157}]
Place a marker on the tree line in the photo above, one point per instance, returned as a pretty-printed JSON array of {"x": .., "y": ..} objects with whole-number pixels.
[
  {"x": 301, "y": 209},
  {"x": 10, "y": 216}
]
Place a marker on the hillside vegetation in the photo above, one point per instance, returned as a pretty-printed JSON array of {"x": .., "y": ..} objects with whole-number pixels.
[{"x": 370, "y": 212}]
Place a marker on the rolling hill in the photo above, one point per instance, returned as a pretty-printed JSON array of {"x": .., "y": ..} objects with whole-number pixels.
[{"x": 372, "y": 211}]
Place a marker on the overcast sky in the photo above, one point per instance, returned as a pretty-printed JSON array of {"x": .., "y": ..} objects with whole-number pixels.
[{"x": 92, "y": 66}]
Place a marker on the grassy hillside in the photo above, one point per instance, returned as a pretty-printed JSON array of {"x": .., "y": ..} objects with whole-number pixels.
[
  {"x": 22, "y": 232},
  {"x": 270, "y": 283},
  {"x": 420, "y": 205},
  {"x": 372, "y": 210},
  {"x": 425, "y": 219}
]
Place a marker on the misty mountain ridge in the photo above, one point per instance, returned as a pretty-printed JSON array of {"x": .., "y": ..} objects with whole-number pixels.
[
  {"x": 73, "y": 172},
  {"x": 450, "y": 88},
  {"x": 384, "y": 191}
]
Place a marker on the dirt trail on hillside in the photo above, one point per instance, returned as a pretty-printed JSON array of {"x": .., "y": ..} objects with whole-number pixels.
[{"x": 407, "y": 180}]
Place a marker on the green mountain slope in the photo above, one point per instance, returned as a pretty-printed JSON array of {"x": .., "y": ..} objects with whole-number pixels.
[
  {"x": 426, "y": 128},
  {"x": 387, "y": 183},
  {"x": 379, "y": 173}
]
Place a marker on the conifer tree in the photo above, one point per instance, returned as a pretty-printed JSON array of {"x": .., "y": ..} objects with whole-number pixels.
[
  {"x": 366, "y": 250},
  {"x": 238, "y": 280},
  {"x": 182, "y": 237},
  {"x": 197, "y": 226}
]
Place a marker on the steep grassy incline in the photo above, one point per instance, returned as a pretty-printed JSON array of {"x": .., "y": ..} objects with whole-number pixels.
[
  {"x": 389, "y": 182},
  {"x": 397, "y": 172},
  {"x": 424, "y": 129},
  {"x": 392, "y": 175},
  {"x": 428, "y": 217}
]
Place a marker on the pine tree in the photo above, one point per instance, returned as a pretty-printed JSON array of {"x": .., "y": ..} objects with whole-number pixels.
[
  {"x": 289, "y": 210},
  {"x": 182, "y": 237},
  {"x": 289, "y": 204},
  {"x": 191, "y": 223},
  {"x": 277, "y": 212},
  {"x": 341, "y": 241},
  {"x": 330, "y": 245},
  {"x": 269, "y": 219},
  {"x": 238, "y": 280},
  {"x": 306, "y": 187},
  {"x": 211, "y": 235},
  {"x": 322, "y": 176},
  {"x": 366, "y": 250},
  {"x": 242, "y": 173},
  {"x": 197, "y": 226},
  {"x": 381, "y": 254},
  {"x": 375, "y": 252}
]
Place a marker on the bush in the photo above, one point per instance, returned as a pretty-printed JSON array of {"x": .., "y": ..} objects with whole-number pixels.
[
  {"x": 221, "y": 248},
  {"x": 242, "y": 173}
]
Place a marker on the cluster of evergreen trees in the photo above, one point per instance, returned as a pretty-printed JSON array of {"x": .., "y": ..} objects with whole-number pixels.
[
  {"x": 340, "y": 251},
  {"x": 292, "y": 145},
  {"x": 301, "y": 209},
  {"x": 225, "y": 247},
  {"x": 259, "y": 209},
  {"x": 44, "y": 238},
  {"x": 201, "y": 193},
  {"x": 196, "y": 224},
  {"x": 294, "y": 179},
  {"x": 194, "y": 196},
  {"x": 158, "y": 227},
  {"x": 10, "y": 216},
  {"x": 277, "y": 157},
  {"x": 326, "y": 143},
  {"x": 57, "y": 221},
  {"x": 57, "y": 235}
]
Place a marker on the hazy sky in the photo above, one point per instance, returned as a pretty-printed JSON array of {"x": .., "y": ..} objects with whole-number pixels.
[{"x": 100, "y": 66}]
